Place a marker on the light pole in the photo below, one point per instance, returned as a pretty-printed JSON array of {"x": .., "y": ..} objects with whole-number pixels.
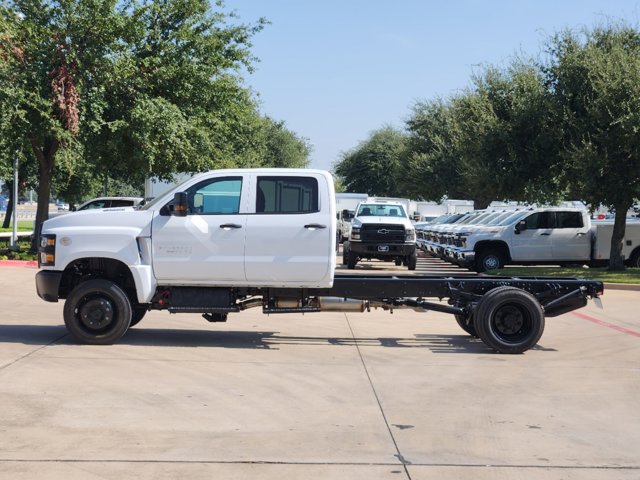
[{"x": 14, "y": 236}]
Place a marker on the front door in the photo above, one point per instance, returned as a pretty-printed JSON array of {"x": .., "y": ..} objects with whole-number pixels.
[
  {"x": 207, "y": 245},
  {"x": 534, "y": 243}
]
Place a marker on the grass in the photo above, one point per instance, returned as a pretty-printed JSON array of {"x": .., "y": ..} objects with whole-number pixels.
[
  {"x": 23, "y": 226},
  {"x": 629, "y": 275}
]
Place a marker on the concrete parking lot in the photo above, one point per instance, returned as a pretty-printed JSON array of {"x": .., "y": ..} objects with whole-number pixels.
[{"x": 327, "y": 395}]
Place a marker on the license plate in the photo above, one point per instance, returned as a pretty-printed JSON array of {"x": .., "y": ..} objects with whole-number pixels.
[{"x": 383, "y": 248}]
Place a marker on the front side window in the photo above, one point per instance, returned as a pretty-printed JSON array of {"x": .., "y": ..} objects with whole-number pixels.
[
  {"x": 218, "y": 196},
  {"x": 541, "y": 220},
  {"x": 287, "y": 195}
]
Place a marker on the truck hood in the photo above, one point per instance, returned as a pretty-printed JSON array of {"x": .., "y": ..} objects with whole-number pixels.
[
  {"x": 127, "y": 217},
  {"x": 359, "y": 221}
]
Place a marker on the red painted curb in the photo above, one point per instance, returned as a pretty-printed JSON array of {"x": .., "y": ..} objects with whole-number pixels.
[{"x": 19, "y": 263}]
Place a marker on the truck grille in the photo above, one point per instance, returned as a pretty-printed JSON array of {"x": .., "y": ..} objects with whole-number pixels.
[{"x": 382, "y": 233}]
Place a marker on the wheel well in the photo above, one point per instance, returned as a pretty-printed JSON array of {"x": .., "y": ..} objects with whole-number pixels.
[
  {"x": 634, "y": 253},
  {"x": 85, "y": 269},
  {"x": 500, "y": 247}
]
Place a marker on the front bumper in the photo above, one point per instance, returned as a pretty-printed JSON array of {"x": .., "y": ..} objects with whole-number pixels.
[
  {"x": 378, "y": 250},
  {"x": 464, "y": 258},
  {"x": 48, "y": 284}
]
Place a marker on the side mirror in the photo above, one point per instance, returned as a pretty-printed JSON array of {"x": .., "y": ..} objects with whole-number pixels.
[
  {"x": 179, "y": 206},
  {"x": 521, "y": 226}
]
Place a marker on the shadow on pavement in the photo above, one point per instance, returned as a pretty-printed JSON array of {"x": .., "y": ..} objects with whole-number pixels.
[{"x": 155, "y": 337}]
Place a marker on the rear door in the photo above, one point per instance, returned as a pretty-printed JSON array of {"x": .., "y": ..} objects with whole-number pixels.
[
  {"x": 289, "y": 238},
  {"x": 570, "y": 237}
]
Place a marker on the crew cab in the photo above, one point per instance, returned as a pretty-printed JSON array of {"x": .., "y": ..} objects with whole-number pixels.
[
  {"x": 230, "y": 240},
  {"x": 538, "y": 236}
]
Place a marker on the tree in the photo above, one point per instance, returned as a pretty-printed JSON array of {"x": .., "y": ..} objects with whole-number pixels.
[
  {"x": 431, "y": 164},
  {"x": 495, "y": 141},
  {"x": 283, "y": 147},
  {"x": 373, "y": 167},
  {"x": 129, "y": 88},
  {"x": 595, "y": 78}
]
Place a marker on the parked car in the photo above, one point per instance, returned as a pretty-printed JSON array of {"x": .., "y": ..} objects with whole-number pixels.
[{"x": 109, "y": 202}]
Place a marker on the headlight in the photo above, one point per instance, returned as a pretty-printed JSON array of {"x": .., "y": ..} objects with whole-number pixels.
[
  {"x": 355, "y": 233},
  {"x": 47, "y": 251},
  {"x": 410, "y": 236}
]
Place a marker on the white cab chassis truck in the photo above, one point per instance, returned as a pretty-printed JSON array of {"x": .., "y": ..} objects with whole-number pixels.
[
  {"x": 229, "y": 240},
  {"x": 381, "y": 230}
]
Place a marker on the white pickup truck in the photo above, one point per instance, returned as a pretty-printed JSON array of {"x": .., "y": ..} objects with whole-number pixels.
[
  {"x": 539, "y": 236},
  {"x": 229, "y": 240},
  {"x": 381, "y": 230}
]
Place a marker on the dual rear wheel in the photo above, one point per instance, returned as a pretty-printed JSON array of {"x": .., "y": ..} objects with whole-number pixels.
[{"x": 506, "y": 319}]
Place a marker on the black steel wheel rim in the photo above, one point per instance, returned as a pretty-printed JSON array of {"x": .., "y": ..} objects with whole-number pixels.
[
  {"x": 511, "y": 323},
  {"x": 96, "y": 313}
]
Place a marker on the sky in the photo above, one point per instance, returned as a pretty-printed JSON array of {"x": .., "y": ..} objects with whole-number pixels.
[{"x": 336, "y": 70}]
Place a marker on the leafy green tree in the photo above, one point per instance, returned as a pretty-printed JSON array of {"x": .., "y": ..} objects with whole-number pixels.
[
  {"x": 509, "y": 140},
  {"x": 284, "y": 148},
  {"x": 373, "y": 167},
  {"x": 431, "y": 165},
  {"x": 595, "y": 78},
  {"x": 130, "y": 88},
  {"x": 495, "y": 141}
]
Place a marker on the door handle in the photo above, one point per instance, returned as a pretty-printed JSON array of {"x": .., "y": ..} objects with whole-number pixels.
[
  {"x": 545, "y": 234},
  {"x": 313, "y": 226},
  {"x": 580, "y": 234},
  {"x": 228, "y": 226}
]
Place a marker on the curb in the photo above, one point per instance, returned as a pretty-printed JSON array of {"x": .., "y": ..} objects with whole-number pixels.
[
  {"x": 631, "y": 287},
  {"x": 19, "y": 263}
]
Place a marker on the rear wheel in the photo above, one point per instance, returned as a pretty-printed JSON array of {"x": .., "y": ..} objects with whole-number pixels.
[
  {"x": 634, "y": 261},
  {"x": 509, "y": 320},
  {"x": 97, "y": 312}
]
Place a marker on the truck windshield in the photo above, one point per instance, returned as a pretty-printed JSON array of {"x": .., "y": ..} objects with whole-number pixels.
[{"x": 378, "y": 210}]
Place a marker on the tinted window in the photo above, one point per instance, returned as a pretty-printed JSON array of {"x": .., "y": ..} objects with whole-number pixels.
[
  {"x": 121, "y": 203},
  {"x": 218, "y": 196},
  {"x": 568, "y": 220},
  {"x": 540, "y": 220},
  {"x": 96, "y": 204},
  {"x": 287, "y": 195}
]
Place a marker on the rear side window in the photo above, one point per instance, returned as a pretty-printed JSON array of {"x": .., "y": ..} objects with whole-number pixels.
[
  {"x": 121, "y": 203},
  {"x": 287, "y": 195},
  {"x": 568, "y": 220}
]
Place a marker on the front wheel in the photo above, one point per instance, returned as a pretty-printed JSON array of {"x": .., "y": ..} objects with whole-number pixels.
[
  {"x": 489, "y": 260},
  {"x": 97, "y": 312},
  {"x": 137, "y": 314},
  {"x": 509, "y": 320},
  {"x": 352, "y": 259},
  {"x": 634, "y": 261},
  {"x": 412, "y": 261}
]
